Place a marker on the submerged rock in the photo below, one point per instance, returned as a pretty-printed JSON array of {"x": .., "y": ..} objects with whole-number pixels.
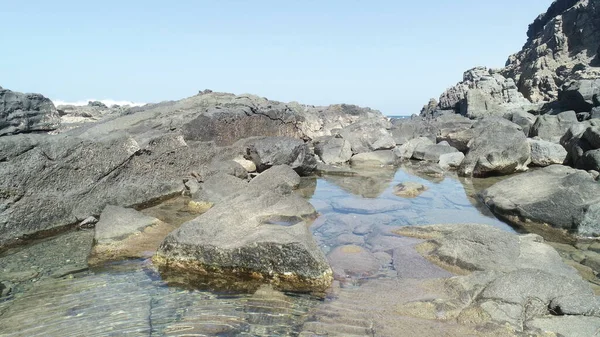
[{"x": 409, "y": 189}]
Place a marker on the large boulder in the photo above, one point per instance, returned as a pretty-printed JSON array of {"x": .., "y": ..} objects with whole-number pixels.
[
  {"x": 553, "y": 127},
  {"x": 22, "y": 113},
  {"x": 269, "y": 151},
  {"x": 498, "y": 147},
  {"x": 375, "y": 158},
  {"x": 250, "y": 239},
  {"x": 333, "y": 150},
  {"x": 544, "y": 153},
  {"x": 369, "y": 135},
  {"x": 557, "y": 195}
]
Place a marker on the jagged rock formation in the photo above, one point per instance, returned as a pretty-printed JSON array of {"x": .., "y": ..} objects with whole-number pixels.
[
  {"x": 20, "y": 113},
  {"x": 559, "y": 61},
  {"x": 562, "y": 45}
]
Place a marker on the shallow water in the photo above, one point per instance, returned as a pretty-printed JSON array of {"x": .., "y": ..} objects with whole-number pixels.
[{"x": 357, "y": 215}]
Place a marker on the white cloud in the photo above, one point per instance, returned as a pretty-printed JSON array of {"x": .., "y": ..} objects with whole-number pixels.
[{"x": 107, "y": 102}]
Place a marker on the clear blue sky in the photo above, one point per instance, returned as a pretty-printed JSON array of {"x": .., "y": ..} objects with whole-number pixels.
[{"x": 389, "y": 55}]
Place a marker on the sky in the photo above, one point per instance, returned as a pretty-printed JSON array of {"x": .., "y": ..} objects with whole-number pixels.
[{"x": 388, "y": 55}]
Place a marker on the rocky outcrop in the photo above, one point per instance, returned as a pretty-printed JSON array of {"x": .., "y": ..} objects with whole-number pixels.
[
  {"x": 270, "y": 151},
  {"x": 23, "y": 113},
  {"x": 559, "y": 196},
  {"x": 562, "y": 45},
  {"x": 482, "y": 92}
]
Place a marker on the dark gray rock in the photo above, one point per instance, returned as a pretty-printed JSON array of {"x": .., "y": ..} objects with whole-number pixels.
[
  {"x": 333, "y": 150},
  {"x": 544, "y": 153},
  {"x": 230, "y": 167},
  {"x": 553, "y": 127},
  {"x": 580, "y": 95},
  {"x": 48, "y": 183},
  {"x": 406, "y": 150},
  {"x": 595, "y": 114},
  {"x": 270, "y": 151},
  {"x": 250, "y": 239},
  {"x": 523, "y": 119},
  {"x": 498, "y": 147},
  {"x": 590, "y": 160},
  {"x": 592, "y": 135},
  {"x": 563, "y": 198},
  {"x": 218, "y": 187},
  {"x": 22, "y": 113}
]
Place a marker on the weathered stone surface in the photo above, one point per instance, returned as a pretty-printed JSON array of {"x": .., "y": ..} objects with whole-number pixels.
[
  {"x": 557, "y": 195},
  {"x": 66, "y": 179},
  {"x": 451, "y": 160},
  {"x": 270, "y": 151},
  {"x": 250, "y": 239},
  {"x": 514, "y": 281},
  {"x": 523, "y": 119},
  {"x": 333, "y": 150},
  {"x": 375, "y": 158},
  {"x": 432, "y": 153},
  {"x": 406, "y": 150},
  {"x": 498, "y": 147},
  {"x": 580, "y": 95},
  {"x": 369, "y": 135},
  {"x": 553, "y": 128},
  {"x": 126, "y": 233},
  {"x": 218, "y": 187},
  {"x": 21, "y": 113},
  {"x": 561, "y": 47},
  {"x": 279, "y": 177},
  {"x": 230, "y": 167},
  {"x": 544, "y": 153}
]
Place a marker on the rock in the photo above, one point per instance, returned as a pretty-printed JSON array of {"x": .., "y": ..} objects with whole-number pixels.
[
  {"x": 574, "y": 326},
  {"x": 595, "y": 114},
  {"x": 592, "y": 135},
  {"x": 246, "y": 164},
  {"x": 590, "y": 160},
  {"x": 243, "y": 242},
  {"x": 544, "y": 153},
  {"x": 408, "y": 263},
  {"x": 270, "y": 151},
  {"x": 88, "y": 175},
  {"x": 229, "y": 167},
  {"x": 5, "y": 288},
  {"x": 404, "y": 130},
  {"x": 564, "y": 198},
  {"x": 498, "y": 147},
  {"x": 560, "y": 47},
  {"x": 367, "y": 206},
  {"x": 117, "y": 223},
  {"x": 406, "y": 150},
  {"x": 218, "y": 187},
  {"x": 375, "y": 158},
  {"x": 432, "y": 153},
  {"x": 279, "y": 177},
  {"x": 351, "y": 260},
  {"x": 369, "y": 135},
  {"x": 575, "y": 144},
  {"x": 409, "y": 189},
  {"x": 523, "y": 119},
  {"x": 451, "y": 160},
  {"x": 333, "y": 150},
  {"x": 580, "y": 95},
  {"x": 364, "y": 181},
  {"x": 553, "y": 128},
  {"x": 23, "y": 113},
  {"x": 126, "y": 233}
]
